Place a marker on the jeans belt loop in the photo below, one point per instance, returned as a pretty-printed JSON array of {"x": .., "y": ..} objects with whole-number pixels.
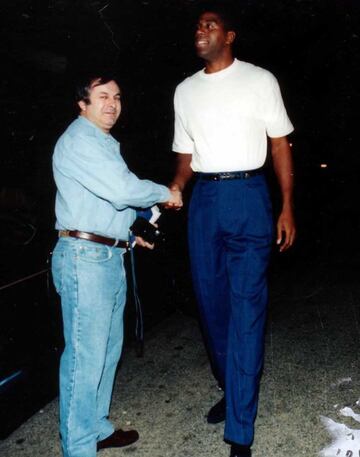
[{"x": 95, "y": 238}]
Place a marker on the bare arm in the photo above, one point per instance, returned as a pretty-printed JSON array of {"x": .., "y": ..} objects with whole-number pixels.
[
  {"x": 283, "y": 166},
  {"x": 183, "y": 172},
  {"x": 182, "y": 175}
]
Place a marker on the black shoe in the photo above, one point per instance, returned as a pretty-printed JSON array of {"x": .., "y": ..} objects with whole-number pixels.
[
  {"x": 237, "y": 450},
  {"x": 119, "y": 438},
  {"x": 217, "y": 412}
]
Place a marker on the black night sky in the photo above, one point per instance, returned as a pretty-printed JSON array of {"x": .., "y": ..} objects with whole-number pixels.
[{"x": 312, "y": 47}]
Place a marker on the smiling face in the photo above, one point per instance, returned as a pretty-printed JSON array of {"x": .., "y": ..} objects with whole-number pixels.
[
  {"x": 212, "y": 41},
  {"x": 104, "y": 105}
]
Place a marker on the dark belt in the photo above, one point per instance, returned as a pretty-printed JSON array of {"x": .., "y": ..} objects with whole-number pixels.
[
  {"x": 96, "y": 238},
  {"x": 231, "y": 175}
]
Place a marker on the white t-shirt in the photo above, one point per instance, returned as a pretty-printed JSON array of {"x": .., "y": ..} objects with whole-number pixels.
[{"x": 223, "y": 118}]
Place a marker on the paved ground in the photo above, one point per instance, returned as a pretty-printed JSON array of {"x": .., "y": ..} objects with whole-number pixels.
[{"x": 311, "y": 369}]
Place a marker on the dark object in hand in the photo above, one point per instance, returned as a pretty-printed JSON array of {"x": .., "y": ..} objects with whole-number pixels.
[{"x": 147, "y": 231}]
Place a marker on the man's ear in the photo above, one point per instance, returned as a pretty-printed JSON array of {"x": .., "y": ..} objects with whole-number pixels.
[
  {"x": 230, "y": 37},
  {"x": 82, "y": 105}
]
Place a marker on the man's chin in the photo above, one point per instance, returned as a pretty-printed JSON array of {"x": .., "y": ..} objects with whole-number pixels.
[
  {"x": 110, "y": 123},
  {"x": 201, "y": 53}
]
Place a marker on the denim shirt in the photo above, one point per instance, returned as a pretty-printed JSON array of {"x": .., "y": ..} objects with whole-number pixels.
[{"x": 96, "y": 192}]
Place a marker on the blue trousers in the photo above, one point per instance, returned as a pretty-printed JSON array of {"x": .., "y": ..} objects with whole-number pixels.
[
  {"x": 230, "y": 236},
  {"x": 90, "y": 279}
]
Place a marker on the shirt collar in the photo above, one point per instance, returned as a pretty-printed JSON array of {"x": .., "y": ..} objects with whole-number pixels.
[{"x": 98, "y": 132}]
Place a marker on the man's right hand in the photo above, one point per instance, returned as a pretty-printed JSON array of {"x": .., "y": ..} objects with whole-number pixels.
[{"x": 175, "y": 201}]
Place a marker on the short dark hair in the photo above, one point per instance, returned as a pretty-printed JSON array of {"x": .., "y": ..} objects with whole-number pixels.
[
  {"x": 85, "y": 82},
  {"x": 224, "y": 10}
]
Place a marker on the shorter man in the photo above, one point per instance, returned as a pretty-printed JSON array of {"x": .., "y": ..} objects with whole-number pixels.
[{"x": 96, "y": 194}]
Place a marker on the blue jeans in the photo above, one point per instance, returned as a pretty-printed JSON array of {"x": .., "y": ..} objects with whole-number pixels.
[
  {"x": 90, "y": 279},
  {"x": 230, "y": 237}
]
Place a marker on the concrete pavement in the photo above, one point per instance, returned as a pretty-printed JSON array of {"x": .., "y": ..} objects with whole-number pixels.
[{"x": 311, "y": 369}]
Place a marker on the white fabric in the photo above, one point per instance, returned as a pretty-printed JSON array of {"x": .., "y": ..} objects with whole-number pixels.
[{"x": 223, "y": 118}]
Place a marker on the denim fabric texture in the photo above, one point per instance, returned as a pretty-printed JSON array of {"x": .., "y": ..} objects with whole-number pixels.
[
  {"x": 230, "y": 236},
  {"x": 90, "y": 279},
  {"x": 96, "y": 192}
]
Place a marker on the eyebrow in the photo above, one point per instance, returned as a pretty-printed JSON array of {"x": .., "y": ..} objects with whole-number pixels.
[
  {"x": 209, "y": 21},
  {"x": 118, "y": 94}
]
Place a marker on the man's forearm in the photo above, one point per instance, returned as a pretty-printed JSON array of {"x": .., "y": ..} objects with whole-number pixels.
[
  {"x": 283, "y": 166},
  {"x": 183, "y": 172},
  {"x": 284, "y": 169}
]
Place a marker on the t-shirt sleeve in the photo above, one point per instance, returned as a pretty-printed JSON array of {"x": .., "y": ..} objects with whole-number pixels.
[
  {"x": 276, "y": 119},
  {"x": 183, "y": 142}
]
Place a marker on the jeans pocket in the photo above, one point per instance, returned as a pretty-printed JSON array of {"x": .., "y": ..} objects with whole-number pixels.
[{"x": 94, "y": 253}]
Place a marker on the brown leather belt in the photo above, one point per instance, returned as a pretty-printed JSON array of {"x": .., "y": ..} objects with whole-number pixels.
[
  {"x": 231, "y": 175},
  {"x": 96, "y": 238}
]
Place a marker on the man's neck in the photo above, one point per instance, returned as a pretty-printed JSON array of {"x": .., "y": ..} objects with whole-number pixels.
[{"x": 219, "y": 64}]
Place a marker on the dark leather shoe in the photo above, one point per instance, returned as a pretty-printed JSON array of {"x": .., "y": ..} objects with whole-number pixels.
[
  {"x": 217, "y": 412},
  {"x": 119, "y": 438},
  {"x": 237, "y": 450}
]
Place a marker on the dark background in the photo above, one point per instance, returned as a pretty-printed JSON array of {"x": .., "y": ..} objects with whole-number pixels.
[{"x": 312, "y": 47}]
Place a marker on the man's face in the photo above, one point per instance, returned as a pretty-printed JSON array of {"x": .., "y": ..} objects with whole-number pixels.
[
  {"x": 211, "y": 39},
  {"x": 104, "y": 107}
]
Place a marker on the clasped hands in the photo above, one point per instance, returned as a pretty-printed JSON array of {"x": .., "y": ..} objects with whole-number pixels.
[{"x": 175, "y": 201}]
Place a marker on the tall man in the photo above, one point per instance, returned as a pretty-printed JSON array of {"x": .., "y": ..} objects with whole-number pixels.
[
  {"x": 96, "y": 194},
  {"x": 223, "y": 115}
]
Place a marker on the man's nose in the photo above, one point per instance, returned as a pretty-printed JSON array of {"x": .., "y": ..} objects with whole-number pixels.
[{"x": 200, "y": 30}]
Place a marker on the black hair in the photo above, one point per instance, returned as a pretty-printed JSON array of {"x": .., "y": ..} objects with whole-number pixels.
[
  {"x": 84, "y": 85},
  {"x": 224, "y": 10}
]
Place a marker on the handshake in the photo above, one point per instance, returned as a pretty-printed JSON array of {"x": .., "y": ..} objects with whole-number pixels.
[
  {"x": 175, "y": 201},
  {"x": 146, "y": 232}
]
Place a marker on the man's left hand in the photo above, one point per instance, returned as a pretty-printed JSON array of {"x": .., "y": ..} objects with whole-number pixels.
[
  {"x": 286, "y": 230},
  {"x": 144, "y": 244}
]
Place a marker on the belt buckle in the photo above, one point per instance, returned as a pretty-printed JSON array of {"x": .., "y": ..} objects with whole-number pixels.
[{"x": 64, "y": 233}]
